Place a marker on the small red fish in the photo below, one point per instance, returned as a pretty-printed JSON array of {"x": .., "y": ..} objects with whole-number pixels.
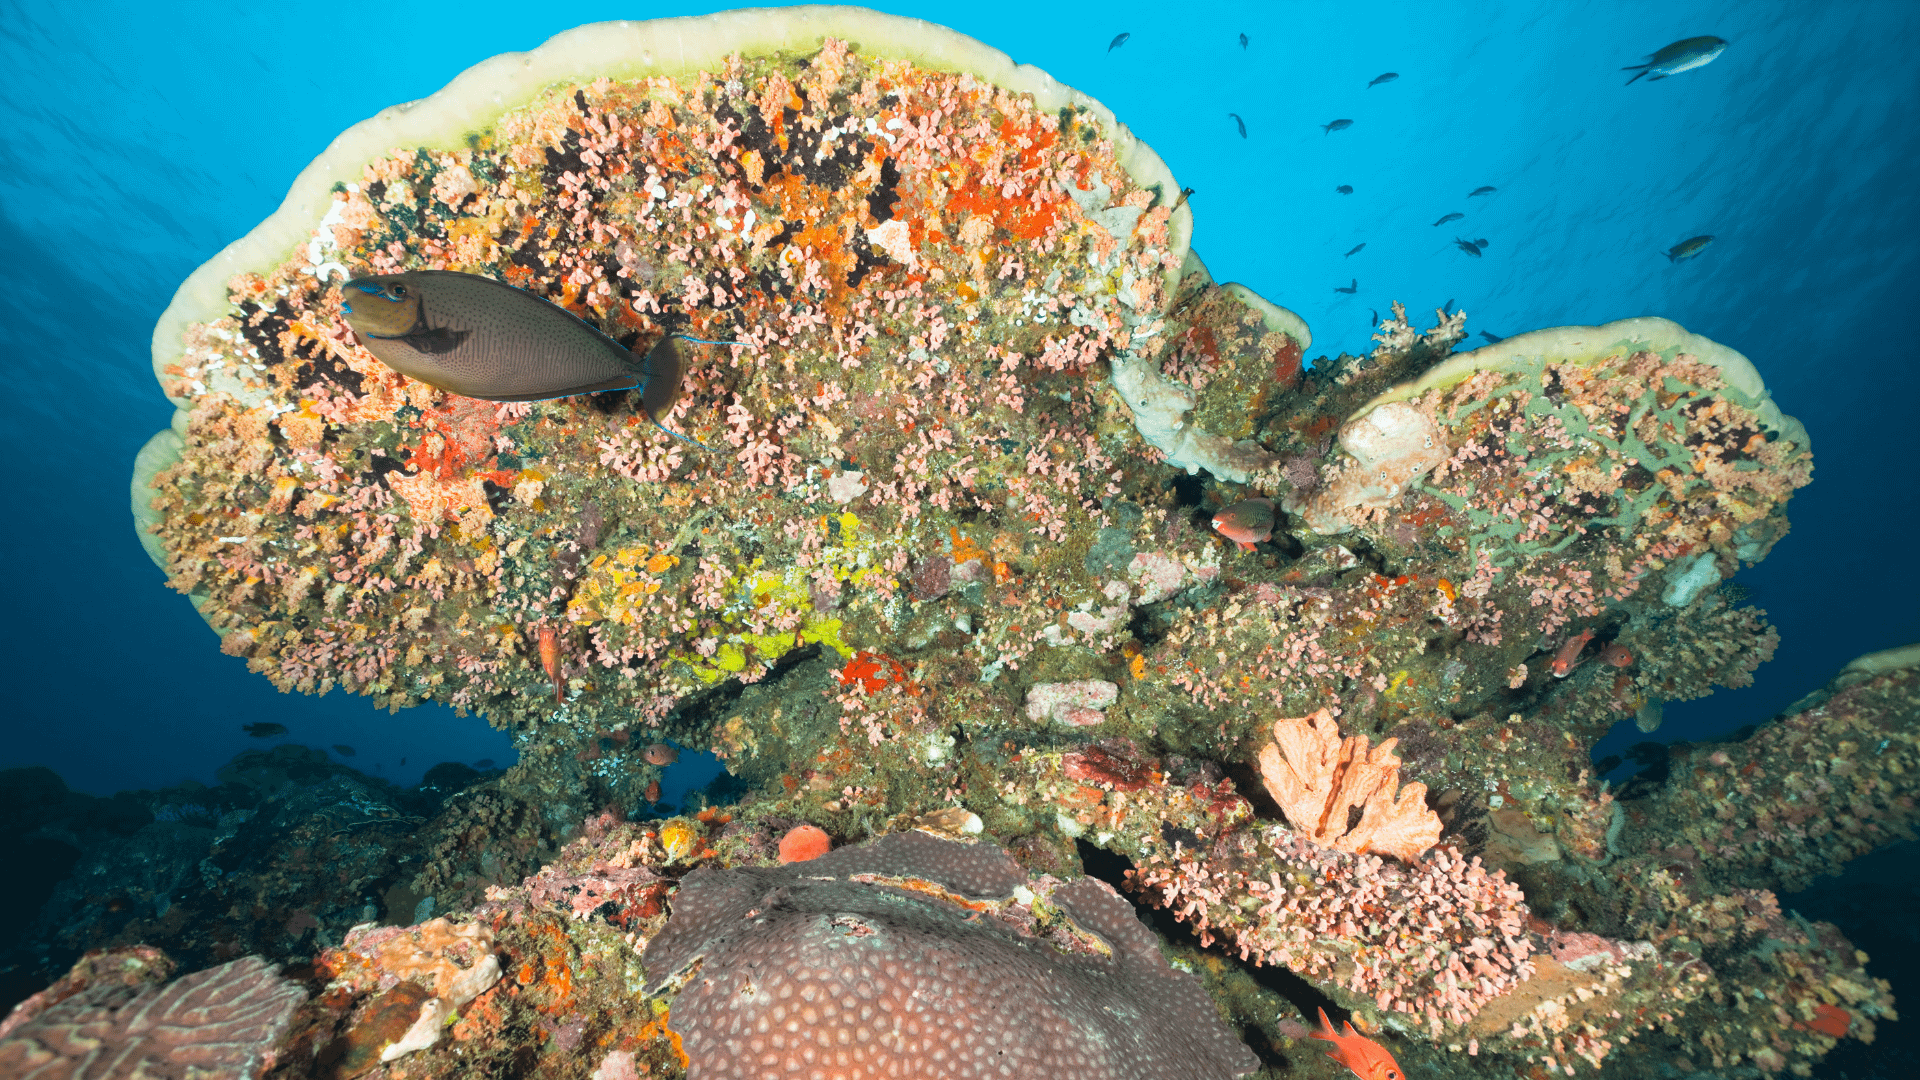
[
  {"x": 653, "y": 791},
  {"x": 550, "y": 659},
  {"x": 1367, "y": 1059},
  {"x": 1247, "y": 522},
  {"x": 1568, "y": 657},
  {"x": 1616, "y": 654},
  {"x": 660, "y": 754}
]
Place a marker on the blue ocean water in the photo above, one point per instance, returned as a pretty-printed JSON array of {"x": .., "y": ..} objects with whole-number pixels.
[{"x": 140, "y": 139}]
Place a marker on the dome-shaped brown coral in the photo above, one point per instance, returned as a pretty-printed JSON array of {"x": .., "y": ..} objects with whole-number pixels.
[{"x": 828, "y": 968}]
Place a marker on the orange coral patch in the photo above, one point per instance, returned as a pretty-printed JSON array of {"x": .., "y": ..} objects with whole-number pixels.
[
  {"x": 875, "y": 672},
  {"x": 1830, "y": 1020},
  {"x": 965, "y": 550},
  {"x": 804, "y": 843}
]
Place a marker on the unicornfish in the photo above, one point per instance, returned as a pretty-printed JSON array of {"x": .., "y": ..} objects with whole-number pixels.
[{"x": 481, "y": 338}]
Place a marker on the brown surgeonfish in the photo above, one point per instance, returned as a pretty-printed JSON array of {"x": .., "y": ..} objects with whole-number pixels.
[{"x": 481, "y": 338}]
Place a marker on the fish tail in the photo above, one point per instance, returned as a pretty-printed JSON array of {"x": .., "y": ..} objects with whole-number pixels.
[{"x": 1633, "y": 80}]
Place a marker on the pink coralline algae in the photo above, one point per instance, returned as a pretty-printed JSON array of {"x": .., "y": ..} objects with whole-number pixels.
[
  {"x": 1434, "y": 941},
  {"x": 219, "y": 1024},
  {"x": 888, "y": 960},
  {"x": 1077, "y": 704}
]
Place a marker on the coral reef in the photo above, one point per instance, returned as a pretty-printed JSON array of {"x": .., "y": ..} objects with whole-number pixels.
[{"x": 953, "y": 572}]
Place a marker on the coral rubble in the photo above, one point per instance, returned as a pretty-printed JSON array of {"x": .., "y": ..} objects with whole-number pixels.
[{"x": 952, "y": 572}]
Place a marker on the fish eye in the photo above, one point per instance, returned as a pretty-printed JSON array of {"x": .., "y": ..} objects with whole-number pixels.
[{"x": 397, "y": 291}]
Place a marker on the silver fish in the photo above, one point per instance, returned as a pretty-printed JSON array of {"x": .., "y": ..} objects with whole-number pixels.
[
  {"x": 1481, "y": 191},
  {"x": 1337, "y": 125},
  {"x": 1678, "y": 57},
  {"x": 1355, "y": 251},
  {"x": 1241, "y": 124},
  {"x": 1467, "y": 246},
  {"x": 1456, "y": 216},
  {"x": 1388, "y": 77},
  {"x": 1118, "y": 41},
  {"x": 1688, "y": 248},
  {"x": 1352, "y": 287}
]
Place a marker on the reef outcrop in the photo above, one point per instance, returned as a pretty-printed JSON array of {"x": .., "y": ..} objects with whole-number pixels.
[{"x": 951, "y": 569}]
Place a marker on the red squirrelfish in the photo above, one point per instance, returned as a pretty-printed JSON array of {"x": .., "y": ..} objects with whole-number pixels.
[
  {"x": 1247, "y": 522},
  {"x": 1568, "y": 657},
  {"x": 550, "y": 659},
  {"x": 1616, "y": 654},
  {"x": 1367, "y": 1059}
]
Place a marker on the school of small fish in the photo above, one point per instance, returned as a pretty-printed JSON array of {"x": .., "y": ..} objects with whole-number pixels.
[{"x": 1684, "y": 55}]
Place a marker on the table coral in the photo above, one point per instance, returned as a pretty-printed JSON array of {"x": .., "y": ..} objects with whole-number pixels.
[
  {"x": 343, "y": 526},
  {"x": 1798, "y": 798}
]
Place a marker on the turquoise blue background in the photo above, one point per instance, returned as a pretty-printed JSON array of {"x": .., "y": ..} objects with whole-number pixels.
[{"x": 140, "y": 139}]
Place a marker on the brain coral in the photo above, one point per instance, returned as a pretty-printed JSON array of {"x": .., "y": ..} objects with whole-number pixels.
[
  {"x": 219, "y": 1024},
  {"x": 889, "y": 959}
]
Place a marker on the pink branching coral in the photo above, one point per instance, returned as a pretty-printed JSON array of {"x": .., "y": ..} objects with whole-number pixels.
[
  {"x": 1318, "y": 778},
  {"x": 1436, "y": 940}
]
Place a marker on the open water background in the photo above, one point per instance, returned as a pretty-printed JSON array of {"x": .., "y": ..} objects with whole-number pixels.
[{"x": 138, "y": 139}]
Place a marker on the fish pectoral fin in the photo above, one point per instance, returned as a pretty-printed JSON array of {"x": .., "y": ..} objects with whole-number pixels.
[{"x": 436, "y": 340}]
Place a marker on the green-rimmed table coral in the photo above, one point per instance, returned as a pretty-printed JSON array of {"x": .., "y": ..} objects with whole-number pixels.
[{"x": 951, "y": 561}]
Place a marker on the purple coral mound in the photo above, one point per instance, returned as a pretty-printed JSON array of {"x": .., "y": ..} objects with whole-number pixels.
[
  {"x": 819, "y": 970},
  {"x": 217, "y": 1024}
]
